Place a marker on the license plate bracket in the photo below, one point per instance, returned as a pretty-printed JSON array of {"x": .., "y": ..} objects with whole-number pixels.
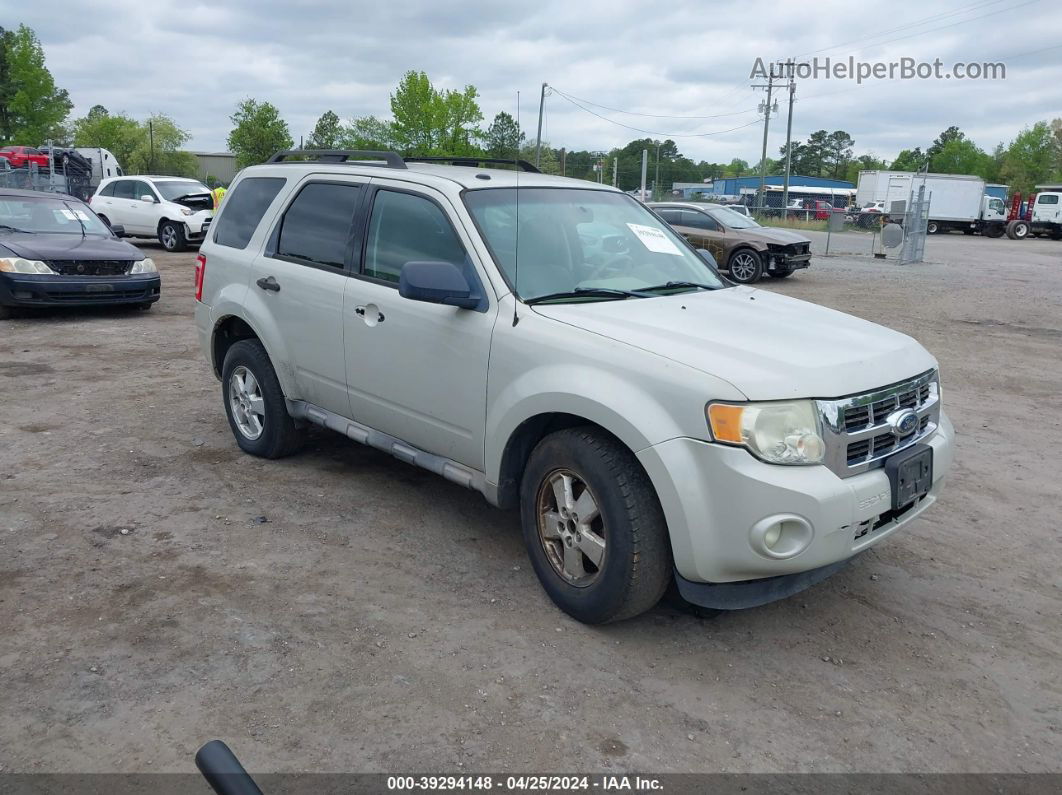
[{"x": 910, "y": 474}]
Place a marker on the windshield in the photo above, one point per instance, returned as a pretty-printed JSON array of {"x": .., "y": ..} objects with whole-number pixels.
[
  {"x": 572, "y": 239},
  {"x": 732, "y": 219},
  {"x": 171, "y": 190},
  {"x": 46, "y": 215}
]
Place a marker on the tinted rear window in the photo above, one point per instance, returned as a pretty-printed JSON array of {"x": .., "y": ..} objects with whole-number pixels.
[
  {"x": 316, "y": 227},
  {"x": 244, "y": 208}
]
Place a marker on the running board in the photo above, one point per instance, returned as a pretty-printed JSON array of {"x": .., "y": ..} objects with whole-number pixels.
[{"x": 363, "y": 434}]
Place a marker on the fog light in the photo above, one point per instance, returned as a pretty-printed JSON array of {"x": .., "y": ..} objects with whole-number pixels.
[{"x": 781, "y": 536}]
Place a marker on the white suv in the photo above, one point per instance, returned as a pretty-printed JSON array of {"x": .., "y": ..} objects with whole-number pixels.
[
  {"x": 554, "y": 345},
  {"x": 176, "y": 210}
]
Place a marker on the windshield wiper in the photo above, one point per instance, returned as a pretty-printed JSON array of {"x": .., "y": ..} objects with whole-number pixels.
[
  {"x": 670, "y": 285},
  {"x": 16, "y": 229},
  {"x": 589, "y": 292}
]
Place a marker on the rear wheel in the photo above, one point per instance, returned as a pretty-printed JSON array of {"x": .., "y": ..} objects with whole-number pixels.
[
  {"x": 1018, "y": 230},
  {"x": 745, "y": 266},
  {"x": 254, "y": 403},
  {"x": 933, "y": 227},
  {"x": 593, "y": 527},
  {"x": 995, "y": 230},
  {"x": 171, "y": 236}
]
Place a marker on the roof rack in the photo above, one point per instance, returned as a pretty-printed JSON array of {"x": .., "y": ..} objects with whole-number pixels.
[
  {"x": 523, "y": 165},
  {"x": 390, "y": 159}
]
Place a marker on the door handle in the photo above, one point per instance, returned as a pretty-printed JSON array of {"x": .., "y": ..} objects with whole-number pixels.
[{"x": 269, "y": 283}]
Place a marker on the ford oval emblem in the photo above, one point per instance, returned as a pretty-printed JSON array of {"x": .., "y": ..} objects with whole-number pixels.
[{"x": 903, "y": 422}]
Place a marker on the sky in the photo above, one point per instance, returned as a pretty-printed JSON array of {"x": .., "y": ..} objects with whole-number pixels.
[{"x": 673, "y": 59}]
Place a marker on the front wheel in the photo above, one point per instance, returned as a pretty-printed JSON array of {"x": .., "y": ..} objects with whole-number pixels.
[
  {"x": 994, "y": 230},
  {"x": 746, "y": 267},
  {"x": 171, "y": 236},
  {"x": 254, "y": 403},
  {"x": 1018, "y": 230},
  {"x": 593, "y": 527}
]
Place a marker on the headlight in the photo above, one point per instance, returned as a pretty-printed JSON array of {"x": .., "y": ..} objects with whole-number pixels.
[
  {"x": 146, "y": 265},
  {"x": 19, "y": 265},
  {"x": 187, "y": 211},
  {"x": 779, "y": 433}
]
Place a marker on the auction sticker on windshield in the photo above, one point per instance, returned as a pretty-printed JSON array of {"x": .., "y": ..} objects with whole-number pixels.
[{"x": 654, "y": 240}]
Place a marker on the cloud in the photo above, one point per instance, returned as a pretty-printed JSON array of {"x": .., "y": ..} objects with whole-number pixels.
[{"x": 195, "y": 61}]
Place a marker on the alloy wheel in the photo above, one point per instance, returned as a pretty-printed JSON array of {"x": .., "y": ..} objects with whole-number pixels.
[
  {"x": 570, "y": 528},
  {"x": 246, "y": 403},
  {"x": 169, "y": 237},
  {"x": 743, "y": 267}
]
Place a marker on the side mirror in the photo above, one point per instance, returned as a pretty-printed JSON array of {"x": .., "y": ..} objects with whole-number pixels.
[
  {"x": 147, "y": 198},
  {"x": 118, "y": 230},
  {"x": 436, "y": 283},
  {"x": 706, "y": 255}
]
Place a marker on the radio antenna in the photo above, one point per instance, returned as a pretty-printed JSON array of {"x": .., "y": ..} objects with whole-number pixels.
[{"x": 516, "y": 255}]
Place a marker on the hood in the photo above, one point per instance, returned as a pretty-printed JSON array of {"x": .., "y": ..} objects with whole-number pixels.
[
  {"x": 769, "y": 234},
  {"x": 196, "y": 201},
  {"x": 769, "y": 346},
  {"x": 63, "y": 247}
]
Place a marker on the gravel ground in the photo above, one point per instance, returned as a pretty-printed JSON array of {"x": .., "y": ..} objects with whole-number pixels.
[{"x": 342, "y": 611}]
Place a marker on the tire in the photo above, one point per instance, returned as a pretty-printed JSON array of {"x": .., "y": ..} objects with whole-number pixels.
[
  {"x": 967, "y": 231},
  {"x": 745, "y": 266},
  {"x": 171, "y": 236},
  {"x": 994, "y": 230},
  {"x": 276, "y": 435},
  {"x": 628, "y": 531},
  {"x": 932, "y": 228},
  {"x": 1018, "y": 230},
  {"x": 1056, "y": 234},
  {"x": 6, "y": 312}
]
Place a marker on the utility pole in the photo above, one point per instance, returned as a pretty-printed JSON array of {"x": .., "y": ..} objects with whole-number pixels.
[
  {"x": 538, "y": 136},
  {"x": 615, "y": 172},
  {"x": 656, "y": 179},
  {"x": 645, "y": 166},
  {"x": 789, "y": 135},
  {"x": 564, "y": 159},
  {"x": 760, "y": 195},
  {"x": 151, "y": 140}
]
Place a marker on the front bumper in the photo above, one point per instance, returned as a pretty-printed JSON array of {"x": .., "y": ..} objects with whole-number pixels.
[
  {"x": 196, "y": 226},
  {"x": 41, "y": 290},
  {"x": 713, "y": 496},
  {"x": 789, "y": 262}
]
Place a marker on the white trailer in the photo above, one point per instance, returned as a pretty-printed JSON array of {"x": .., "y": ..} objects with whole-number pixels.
[{"x": 956, "y": 201}]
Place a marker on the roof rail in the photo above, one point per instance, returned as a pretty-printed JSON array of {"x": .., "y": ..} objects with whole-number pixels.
[
  {"x": 390, "y": 159},
  {"x": 523, "y": 165}
]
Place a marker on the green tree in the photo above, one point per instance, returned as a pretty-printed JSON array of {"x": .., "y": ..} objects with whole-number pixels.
[
  {"x": 427, "y": 121},
  {"x": 1031, "y": 158},
  {"x": 950, "y": 135},
  {"x": 504, "y": 136},
  {"x": 117, "y": 133},
  {"x": 961, "y": 156},
  {"x": 258, "y": 133},
  {"x": 32, "y": 108},
  {"x": 367, "y": 132},
  {"x": 736, "y": 168},
  {"x": 327, "y": 133},
  {"x": 909, "y": 160},
  {"x": 159, "y": 150}
]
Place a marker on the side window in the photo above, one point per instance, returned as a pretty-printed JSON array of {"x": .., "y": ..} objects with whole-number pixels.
[
  {"x": 243, "y": 209},
  {"x": 316, "y": 227},
  {"x": 699, "y": 220},
  {"x": 1047, "y": 198},
  {"x": 123, "y": 189},
  {"x": 141, "y": 188},
  {"x": 408, "y": 228},
  {"x": 108, "y": 189},
  {"x": 673, "y": 217}
]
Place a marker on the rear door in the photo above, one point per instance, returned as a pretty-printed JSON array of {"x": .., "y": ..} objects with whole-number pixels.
[
  {"x": 415, "y": 370},
  {"x": 301, "y": 276},
  {"x": 117, "y": 206},
  {"x": 703, "y": 231}
]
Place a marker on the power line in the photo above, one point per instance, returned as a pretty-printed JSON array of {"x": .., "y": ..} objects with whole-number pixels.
[
  {"x": 649, "y": 115},
  {"x": 653, "y": 132}
]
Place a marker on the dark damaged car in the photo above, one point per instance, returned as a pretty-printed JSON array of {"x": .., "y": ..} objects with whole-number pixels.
[
  {"x": 739, "y": 244},
  {"x": 54, "y": 251}
]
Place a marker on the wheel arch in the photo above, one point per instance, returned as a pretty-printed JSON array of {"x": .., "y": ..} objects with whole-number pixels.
[{"x": 747, "y": 246}]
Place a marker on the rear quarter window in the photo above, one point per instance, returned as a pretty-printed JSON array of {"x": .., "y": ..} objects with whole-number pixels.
[{"x": 243, "y": 210}]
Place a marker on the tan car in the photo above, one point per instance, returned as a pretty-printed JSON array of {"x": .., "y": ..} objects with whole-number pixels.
[{"x": 739, "y": 244}]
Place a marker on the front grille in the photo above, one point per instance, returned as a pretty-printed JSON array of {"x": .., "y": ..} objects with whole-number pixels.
[
  {"x": 91, "y": 267},
  {"x": 857, "y": 429}
]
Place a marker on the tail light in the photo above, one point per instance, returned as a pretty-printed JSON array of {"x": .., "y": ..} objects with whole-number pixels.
[{"x": 200, "y": 276}]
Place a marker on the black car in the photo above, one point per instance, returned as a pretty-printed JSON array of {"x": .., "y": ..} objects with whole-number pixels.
[{"x": 54, "y": 251}]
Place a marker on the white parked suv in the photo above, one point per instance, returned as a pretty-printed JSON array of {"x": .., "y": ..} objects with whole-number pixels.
[
  {"x": 552, "y": 344},
  {"x": 176, "y": 210}
]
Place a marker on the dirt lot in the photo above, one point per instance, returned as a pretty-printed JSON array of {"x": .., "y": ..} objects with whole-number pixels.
[{"x": 341, "y": 611}]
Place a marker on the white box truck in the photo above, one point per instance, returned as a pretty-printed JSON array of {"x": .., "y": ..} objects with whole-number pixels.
[{"x": 956, "y": 201}]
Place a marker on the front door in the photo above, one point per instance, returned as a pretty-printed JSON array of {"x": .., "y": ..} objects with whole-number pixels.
[
  {"x": 301, "y": 275},
  {"x": 703, "y": 231},
  {"x": 415, "y": 370},
  {"x": 142, "y": 216}
]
